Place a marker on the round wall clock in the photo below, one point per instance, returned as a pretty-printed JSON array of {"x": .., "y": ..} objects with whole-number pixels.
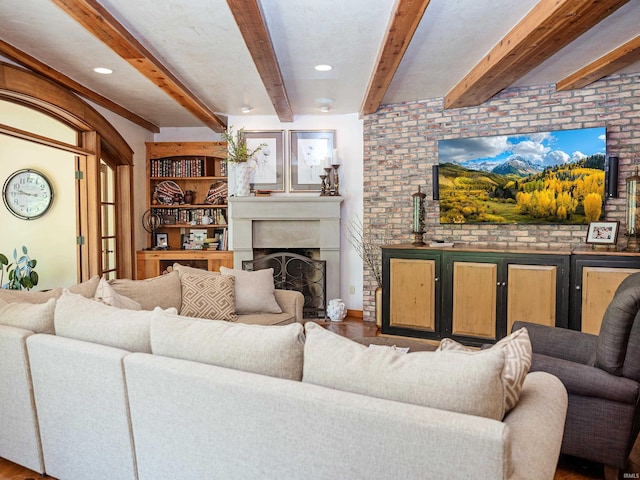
[{"x": 27, "y": 194}]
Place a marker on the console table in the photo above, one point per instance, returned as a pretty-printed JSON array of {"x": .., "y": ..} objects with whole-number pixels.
[
  {"x": 151, "y": 263},
  {"x": 475, "y": 294}
]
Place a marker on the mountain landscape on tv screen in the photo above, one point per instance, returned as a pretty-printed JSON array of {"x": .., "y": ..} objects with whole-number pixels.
[{"x": 538, "y": 178}]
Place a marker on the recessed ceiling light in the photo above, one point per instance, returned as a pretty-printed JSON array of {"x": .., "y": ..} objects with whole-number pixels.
[
  {"x": 245, "y": 109},
  {"x": 103, "y": 70},
  {"x": 323, "y": 67}
]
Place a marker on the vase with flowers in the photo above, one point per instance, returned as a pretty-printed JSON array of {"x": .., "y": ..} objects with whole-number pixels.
[{"x": 243, "y": 159}]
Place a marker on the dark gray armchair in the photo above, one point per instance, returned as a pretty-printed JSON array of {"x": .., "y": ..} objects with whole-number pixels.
[{"x": 601, "y": 374}]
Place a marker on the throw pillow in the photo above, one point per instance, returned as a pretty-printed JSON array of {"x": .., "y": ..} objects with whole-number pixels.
[
  {"x": 276, "y": 351},
  {"x": 37, "y": 317},
  {"x": 450, "y": 381},
  {"x": 254, "y": 291},
  {"x": 208, "y": 296},
  {"x": 107, "y": 295},
  {"x": 183, "y": 269},
  {"x": 86, "y": 289},
  {"x": 162, "y": 291},
  {"x": 85, "y": 319},
  {"x": 517, "y": 348}
]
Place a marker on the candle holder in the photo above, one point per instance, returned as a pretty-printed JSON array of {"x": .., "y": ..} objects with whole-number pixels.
[
  {"x": 326, "y": 182},
  {"x": 323, "y": 188},
  {"x": 418, "y": 218},
  {"x": 632, "y": 212},
  {"x": 335, "y": 189}
]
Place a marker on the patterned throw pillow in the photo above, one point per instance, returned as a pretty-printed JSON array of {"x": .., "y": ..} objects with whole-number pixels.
[
  {"x": 209, "y": 296},
  {"x": 517, "y": 348}
]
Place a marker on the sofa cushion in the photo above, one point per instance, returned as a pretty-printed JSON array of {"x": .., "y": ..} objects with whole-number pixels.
[
  {"x": 254, "y": 291},
  {"x": 162, "y": 291},
  {"x": 85, "y": 319},
  {"x": 183, "y": 269},
  {"x": 37, "y": 317},
  {"x": 454, "y": 381},
  {"x": 107, "y": 295},
  {"x": 517, "y": 348},
  {"x": 86, "y": 289},
  {"x": 616, "y": 327},
  {"x": 208, "y": 296},
  {"x": 276, "y": 351}
]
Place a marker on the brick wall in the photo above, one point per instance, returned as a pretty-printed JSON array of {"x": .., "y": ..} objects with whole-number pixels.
[{"x": 401, "y": 145}]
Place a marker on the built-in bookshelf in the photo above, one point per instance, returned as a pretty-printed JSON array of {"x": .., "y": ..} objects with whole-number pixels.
[{"x": 187, "y": 193}]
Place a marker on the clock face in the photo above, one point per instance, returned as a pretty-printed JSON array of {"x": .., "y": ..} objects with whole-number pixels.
[{"x": 27, "y": 194}]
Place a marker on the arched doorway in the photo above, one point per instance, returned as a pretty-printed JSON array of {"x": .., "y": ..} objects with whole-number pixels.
[{"x": 100, "y": 155}]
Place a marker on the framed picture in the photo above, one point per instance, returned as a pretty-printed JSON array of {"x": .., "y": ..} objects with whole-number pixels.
[
  {"x": 310, "y": 152},
  {"x": 603, "y": 233},
  {"x": 197, "y": 236},
  {"x": 269, "y": 172},
  {"x": 162, "y": 240}
]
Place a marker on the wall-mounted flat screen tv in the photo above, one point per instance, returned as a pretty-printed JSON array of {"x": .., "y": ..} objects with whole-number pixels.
[{"x": 535, "y": 178}]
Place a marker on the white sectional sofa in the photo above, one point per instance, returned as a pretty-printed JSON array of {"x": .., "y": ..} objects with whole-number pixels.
[{"x": 121, "y": 394}]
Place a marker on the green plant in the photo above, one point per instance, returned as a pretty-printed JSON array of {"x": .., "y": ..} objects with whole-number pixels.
[
  {"x": 20, "y": 273},
  {"x": 237, "y": 146}
]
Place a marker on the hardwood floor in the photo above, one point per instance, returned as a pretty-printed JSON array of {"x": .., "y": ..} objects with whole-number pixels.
[{"x": 569, "y": 468}]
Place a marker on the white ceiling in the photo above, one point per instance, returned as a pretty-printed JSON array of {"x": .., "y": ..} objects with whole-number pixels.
[{"x": 199, "y": 41}]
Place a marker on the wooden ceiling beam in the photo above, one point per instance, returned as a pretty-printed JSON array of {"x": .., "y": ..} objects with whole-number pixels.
[
  {"x": 37, "y": 66},
  {"x": 548, "y": 27},
  {"x": 608, "y": 64},
  {"x": 402, "y": 26},
  {"x": 97, "y": 20},
  {"x": 250, "y": 20}
]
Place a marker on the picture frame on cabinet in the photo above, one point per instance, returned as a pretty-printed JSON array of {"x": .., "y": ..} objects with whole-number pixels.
[
  {"x": 269, "y": 172},
  {"x": 310, "y": 152},
  {"x": 162, "y": 240},
  {"x": 603, "y": 233}
]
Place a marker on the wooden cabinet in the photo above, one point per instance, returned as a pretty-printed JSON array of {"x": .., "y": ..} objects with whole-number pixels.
[
  {"x": 151, "y": 263},
  {"x": 485, "y": 293},
  {"x": 187, "y": 190},
  {"x": 595, "y": 276},
  {"x": 188, "y": 169},
  {"x": 473, "y": 296},
  {"x": 412, "y": 288}
]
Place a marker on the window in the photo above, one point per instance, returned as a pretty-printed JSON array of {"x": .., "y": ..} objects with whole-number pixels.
[{"x": 108, "y": 215}]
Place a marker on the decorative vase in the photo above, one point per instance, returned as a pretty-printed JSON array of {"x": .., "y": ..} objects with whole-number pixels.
[
  {"x": 188, "y": 197},
  {"x": 243, "y": 179},
  {"x": 336, "y": 310},
  {"x": 379, "y": 307}
]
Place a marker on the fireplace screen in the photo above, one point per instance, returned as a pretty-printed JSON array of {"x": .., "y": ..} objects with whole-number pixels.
[{"x": 292, "y": 271}]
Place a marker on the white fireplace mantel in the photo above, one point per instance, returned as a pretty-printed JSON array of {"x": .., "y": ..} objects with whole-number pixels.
[{"x": 288, "y": 222}]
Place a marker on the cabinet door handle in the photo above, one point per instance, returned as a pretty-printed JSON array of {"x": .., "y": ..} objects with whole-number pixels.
[
  {"x": 437, "y": 279},
  {"x": 498, "y": 284},
  {"x": 504, "y": 284},
  {"x": 577, "y": 287}
]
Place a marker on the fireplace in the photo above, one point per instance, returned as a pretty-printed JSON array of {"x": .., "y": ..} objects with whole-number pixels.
[
  {"x": 296, "y": 269},
  {"x": 285, "y": 223}
]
